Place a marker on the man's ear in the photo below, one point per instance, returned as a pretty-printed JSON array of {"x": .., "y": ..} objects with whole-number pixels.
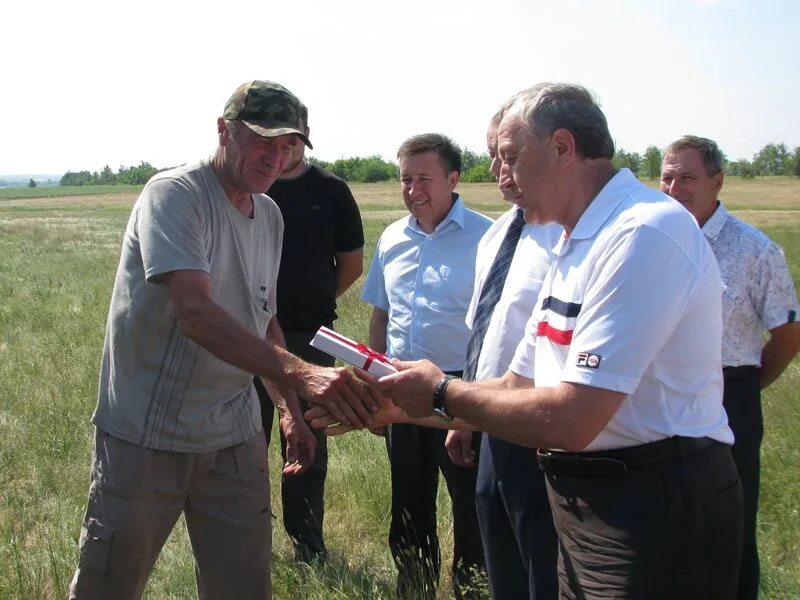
[
  {"x": 564, "y": 143},
  {"x": 718, "y": 179},
  {"x": 452, "y": 179},
  {"x": 223, "y": 132}
]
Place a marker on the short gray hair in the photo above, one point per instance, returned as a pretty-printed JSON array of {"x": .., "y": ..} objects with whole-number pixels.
[
  {"x": 708, "y": 149},
  {"x": 501, "y": 112},
  {"x": 546, "y": 107}
]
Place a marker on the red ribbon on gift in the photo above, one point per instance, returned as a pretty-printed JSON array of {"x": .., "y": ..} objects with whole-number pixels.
[{"x": 372, "y": 355}]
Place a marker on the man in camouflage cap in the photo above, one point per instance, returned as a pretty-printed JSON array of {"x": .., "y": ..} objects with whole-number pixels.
[{"x": 191, "y": 320}]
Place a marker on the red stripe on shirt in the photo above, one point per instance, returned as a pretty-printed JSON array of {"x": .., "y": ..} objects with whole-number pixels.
[{"x": 555, "y": 335}]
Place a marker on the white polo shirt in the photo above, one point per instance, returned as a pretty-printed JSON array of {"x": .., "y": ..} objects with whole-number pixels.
[
  {"x": 532, "y": 257},
  {"x": 633, "y": 303},
  {"x": 758, "y": 292},
  {"x": 424, "y": 281}
]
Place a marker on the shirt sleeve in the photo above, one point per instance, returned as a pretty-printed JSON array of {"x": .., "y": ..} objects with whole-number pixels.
[
  {"x": 349, "y": 234},
  {"x": 775, "y": 299},
  {"x": 170, "y": 228},
  {"x": 374, "y": 290},
  {"x": 636, "y": 294},
  {"x": 524, "y": 361}
]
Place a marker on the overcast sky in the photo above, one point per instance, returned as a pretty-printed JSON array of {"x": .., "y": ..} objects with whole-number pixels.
[{"x": 88, "y": 83}]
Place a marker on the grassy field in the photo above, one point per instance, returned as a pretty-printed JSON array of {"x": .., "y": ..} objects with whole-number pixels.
[{"x": 58, "y": 256}]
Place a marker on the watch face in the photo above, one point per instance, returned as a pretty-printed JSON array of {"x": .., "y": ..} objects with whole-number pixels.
[{"x": 442, "y": 414}]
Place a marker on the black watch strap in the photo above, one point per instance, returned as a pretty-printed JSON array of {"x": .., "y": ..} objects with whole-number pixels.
[{"x": 439, "y": 409}]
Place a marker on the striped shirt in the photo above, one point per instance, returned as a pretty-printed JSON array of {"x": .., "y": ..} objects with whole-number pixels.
[{"x": 158, "y": 388}]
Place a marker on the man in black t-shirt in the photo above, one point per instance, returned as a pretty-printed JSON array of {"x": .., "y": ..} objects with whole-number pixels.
[{"x": 323, "y": 255}]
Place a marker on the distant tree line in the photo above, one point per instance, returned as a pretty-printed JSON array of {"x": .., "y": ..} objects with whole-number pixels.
[
  {"x": 130, "y": 176},
  {"x": 772, "y": 159},
  {"x": 372, "y": 169}
]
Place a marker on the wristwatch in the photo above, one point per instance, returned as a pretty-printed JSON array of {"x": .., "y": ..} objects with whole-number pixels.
[{"x": 439, "y": 409}]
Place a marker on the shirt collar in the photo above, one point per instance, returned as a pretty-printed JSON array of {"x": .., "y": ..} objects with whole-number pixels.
[
  {"x": 604, "y": 204},
  {"x": 715, "y": 222},
  {"x": 455, "y": 214}
]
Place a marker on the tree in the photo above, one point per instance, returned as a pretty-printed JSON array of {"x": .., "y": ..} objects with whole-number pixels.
[
  {"x": 469, "y": 159},
  {"x": 478, "y": 173},
  {"x": 651, "y": 164},
  {"x": 107, "y": 176},
  {"x": 742, "y": 167},
  {"x": 630, "y": 160},
  {"x": 772, "y": 159},
  {"x": 31, "y": 183},
  {"x": 796, "y": 162},
  {"x": 79, "y": 178},
  {"x": 320, "y": 163}
]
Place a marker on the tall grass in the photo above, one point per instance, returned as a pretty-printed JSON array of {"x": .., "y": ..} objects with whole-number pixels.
[{"x": 57, "y": 264}]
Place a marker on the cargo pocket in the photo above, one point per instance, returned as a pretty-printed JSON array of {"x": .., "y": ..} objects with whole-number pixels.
[{"x": 96, "y": 547}]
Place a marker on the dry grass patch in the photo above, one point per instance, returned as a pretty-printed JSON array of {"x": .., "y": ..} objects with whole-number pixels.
[
  {"x": 63, "y": 230},
  {"x": 769, "y": 218},
  {"x": 121, "y": 200}
]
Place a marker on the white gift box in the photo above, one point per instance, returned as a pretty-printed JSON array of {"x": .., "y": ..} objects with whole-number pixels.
[{"x": 352, "y": 352}]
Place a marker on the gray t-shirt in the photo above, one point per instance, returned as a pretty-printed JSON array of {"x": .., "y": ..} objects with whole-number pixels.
[{"x": 158, "y": 388}]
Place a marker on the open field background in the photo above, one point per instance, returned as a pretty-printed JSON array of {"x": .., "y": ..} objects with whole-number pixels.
[{"x": 58, "y": 256}]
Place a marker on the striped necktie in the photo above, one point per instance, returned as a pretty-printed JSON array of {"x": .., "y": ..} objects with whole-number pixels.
[{"x": 490, "y": 294}]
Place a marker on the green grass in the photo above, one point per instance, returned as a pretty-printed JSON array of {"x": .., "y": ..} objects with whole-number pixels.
[{"x": 57, "y": 262}]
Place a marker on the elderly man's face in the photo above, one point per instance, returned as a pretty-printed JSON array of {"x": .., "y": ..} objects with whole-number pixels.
[
  {"x": 685, "y": 178},
  {"x": 426, "y": 187},
  {"x": 527, "y": 174},
  {"x": 509, "y": 193},
  {"x": 254, "y": 162}
]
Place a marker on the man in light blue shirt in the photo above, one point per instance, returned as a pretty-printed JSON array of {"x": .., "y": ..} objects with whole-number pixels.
[{"x": 420, "y": 284}]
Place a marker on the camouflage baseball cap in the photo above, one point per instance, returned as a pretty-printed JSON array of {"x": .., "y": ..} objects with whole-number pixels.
[{"x": 267, "y": 108}]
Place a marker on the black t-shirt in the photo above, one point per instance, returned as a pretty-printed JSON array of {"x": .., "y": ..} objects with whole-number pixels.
[{"x": 320, "y": 217}]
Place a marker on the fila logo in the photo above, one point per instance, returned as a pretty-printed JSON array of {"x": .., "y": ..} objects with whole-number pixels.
[{"x": 588, "y": 360}]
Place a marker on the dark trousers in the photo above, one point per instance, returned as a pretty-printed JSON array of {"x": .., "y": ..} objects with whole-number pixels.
[
  {"x": 664, "y": 531},
  {"x": 416, "y": 455},
  {"x": 303, "y": 494},
  {"x": 742, "y": 401},
  {"x": 519, "y": 539}
]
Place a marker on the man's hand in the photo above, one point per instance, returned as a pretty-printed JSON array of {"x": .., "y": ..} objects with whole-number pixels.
[
  {"x": 300, "y": 445},
  {"x": 349, "y": 400},
  {"x": 387, "y": 413},
  {"x": 459, "y": 448},
  {"x": 412, "y": 387}
]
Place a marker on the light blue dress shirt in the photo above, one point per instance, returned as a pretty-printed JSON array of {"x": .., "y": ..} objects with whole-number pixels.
[{"x": 424, "y": 281}]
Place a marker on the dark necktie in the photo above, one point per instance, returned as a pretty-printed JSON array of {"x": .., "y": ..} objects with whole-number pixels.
[{"x": 490, "y": 294}]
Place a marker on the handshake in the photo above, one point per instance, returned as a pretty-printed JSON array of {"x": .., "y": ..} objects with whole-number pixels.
[{"x": 382, "y": 391}]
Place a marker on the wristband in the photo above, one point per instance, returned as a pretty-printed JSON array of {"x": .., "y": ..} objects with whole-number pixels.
[{"x": 439, "y": 409}]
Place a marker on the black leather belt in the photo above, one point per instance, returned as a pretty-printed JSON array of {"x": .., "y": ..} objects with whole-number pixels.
[{"x": 607, "y": 462}]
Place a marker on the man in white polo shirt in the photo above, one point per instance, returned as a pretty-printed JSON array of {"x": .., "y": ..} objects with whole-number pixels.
[
  {"x": 628, "y": 385},
  {"x": 419, "y": 284},
  {"x": 758, "y": 296}
]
